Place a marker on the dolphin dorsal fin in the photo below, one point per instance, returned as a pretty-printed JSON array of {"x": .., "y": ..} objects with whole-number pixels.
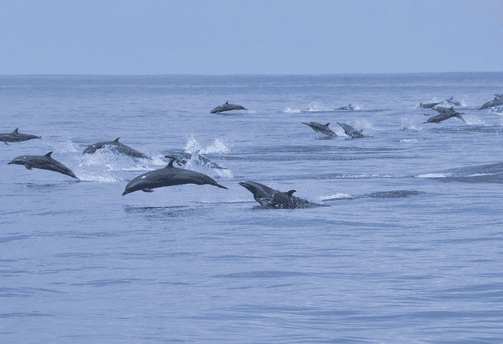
[
  {"x": 117, "y": 139},
  {"x": 227, "y": 102},
  {"x": 290, "y": 193},
  {"x": 326, "y": 125},
  {"x": 15, "y": 131},
  {"x": 171, "y": 163},
  {"x": 48, "y": 154}
]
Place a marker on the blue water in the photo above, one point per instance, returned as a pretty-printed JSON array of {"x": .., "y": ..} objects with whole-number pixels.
[{"x": 79, "y": 263}]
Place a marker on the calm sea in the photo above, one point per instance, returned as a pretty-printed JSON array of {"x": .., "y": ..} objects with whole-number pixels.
[{"x": 406, "y": 249}]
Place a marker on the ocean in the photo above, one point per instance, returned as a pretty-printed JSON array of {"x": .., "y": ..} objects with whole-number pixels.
[{"x": 405, "y": 247}]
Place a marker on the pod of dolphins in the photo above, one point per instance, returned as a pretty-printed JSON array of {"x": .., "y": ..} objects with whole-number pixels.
[{"x": 170, "y": 175}]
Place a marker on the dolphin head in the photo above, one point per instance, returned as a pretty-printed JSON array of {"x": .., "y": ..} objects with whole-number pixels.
[
  {"x": 20, "y": 160},
  {"x": 91, "y": 149}
]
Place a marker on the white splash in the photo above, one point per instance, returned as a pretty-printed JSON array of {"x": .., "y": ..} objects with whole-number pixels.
[
  {"x": 336, "y": 196},
  {"x": 289, "y": 110},
  {"x": 433, "y": 175}
]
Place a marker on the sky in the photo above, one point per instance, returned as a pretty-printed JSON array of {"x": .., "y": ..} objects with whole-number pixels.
[{"x": 220, "y": 37}]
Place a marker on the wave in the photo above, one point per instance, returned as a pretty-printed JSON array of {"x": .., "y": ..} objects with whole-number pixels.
[{"x": 492, "y": 173}]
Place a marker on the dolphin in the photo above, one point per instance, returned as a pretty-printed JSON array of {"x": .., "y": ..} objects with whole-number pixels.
[
  {"x": 43, "y": 162},
  {"x": 15, "y": 136},
  {"x": 346, "y": 108},
  {"x": 498, "y": 100},
  {"x": 427, "y": 106},
  {"x": 350, "y": 131},
  {"x": 182, "y": 158},
  {"x": 445, "y": 114},
  {"x": 168, "y": 176},
  {"x": 321, "y": 128},
  {"x": 227, "y": 107},
  {"x": 444, "y": 110},
  {"x": 450, "y": 100},
  {"x": 117, "y": 147},
  {"x": 274, "y": 199}
]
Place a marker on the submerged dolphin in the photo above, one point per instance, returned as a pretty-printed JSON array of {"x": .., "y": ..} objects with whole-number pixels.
[
  {"x": 346, "y": 108},
  {"x": 117, "y": 146},
  {"x": 453, "y": 102},
  {"x": 182, "y": 158},
  {"x": 227, "y": 107},
  {"x": 168, "y": 176},
  {"x": 321, "y": 128},
  {"x": 445, "y": 114},
  {"x": 350, "y": 131},
  {"x": 428, "y": 105},
  {"x": 43, "y": 162},
  {"x": 497, "y": 101},
  {"x": 274, "y": 199},
  {"x": 15, "y": 136}
]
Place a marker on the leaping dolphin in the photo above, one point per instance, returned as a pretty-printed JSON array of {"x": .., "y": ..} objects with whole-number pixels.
[
  {"x": 453, "y": 102},
  {"x": 445, "y": 114},
  {"x": 43, "y": 162},
  {"x": 168, "y": 176},
  {"x": 227, "y": 107},
  {"x": 117, "y": 147},
  {"x": 497, "y": 101},
  {"x": 15, "y": 136},
  {"x": 350, "y": 131},
  {"x": 274, "y": 199},
  {"x": 347, "y": 108},
  {"x": 428, "y": 105},
  {"x": 182, "y": 158},
  {"x": 321, "y": 128}
]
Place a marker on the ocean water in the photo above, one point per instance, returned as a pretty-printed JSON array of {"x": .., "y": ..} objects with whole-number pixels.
[{"x": 407, "y": 247}]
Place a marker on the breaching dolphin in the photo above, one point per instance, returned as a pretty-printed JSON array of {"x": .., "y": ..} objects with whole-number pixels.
[
  {"x": 428, "y": 105},
  {"x": 227, "y": 107},
  {"x": 350, "y": 131},
  {"x": 15, "y": 136},
  {"x": 117, "y": 147},
  {"x": 453, "y": 102},
  {"x": 168, "y": 176},
  {"x": 43, "y": 162},
  {"x": 497, "y": 101},
  {"x": 347, "y": 108},
  {"x": 445, "y": 114},
  {"x": 182, "y": 158},
  {"x": 321, "y": 128},
  {"x": 274, "y": 199}
]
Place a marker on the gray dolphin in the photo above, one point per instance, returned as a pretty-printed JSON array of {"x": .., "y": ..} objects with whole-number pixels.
[
  {"x": 321, "y": 128},
  {"x": 444, "y": 110},
  {"x": 453, "y": 102},
  {"x": 347, "y": 108},
  {"x": 43, "y": 162},
  {"x": 182, "y": 158},
  {"x": 168, "y": 176},
  {"x": 428, "y": 105},
  {"x": 15, "y": 136},
  {"x": 497, "y": 101},
  {"x": 445, "y": 114},
  {"x": 117, "y": 146},
  {"x": 227, "y": 107},
  {"x": 274, "y": 199},
  {"x": 350, "y": 131}
]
